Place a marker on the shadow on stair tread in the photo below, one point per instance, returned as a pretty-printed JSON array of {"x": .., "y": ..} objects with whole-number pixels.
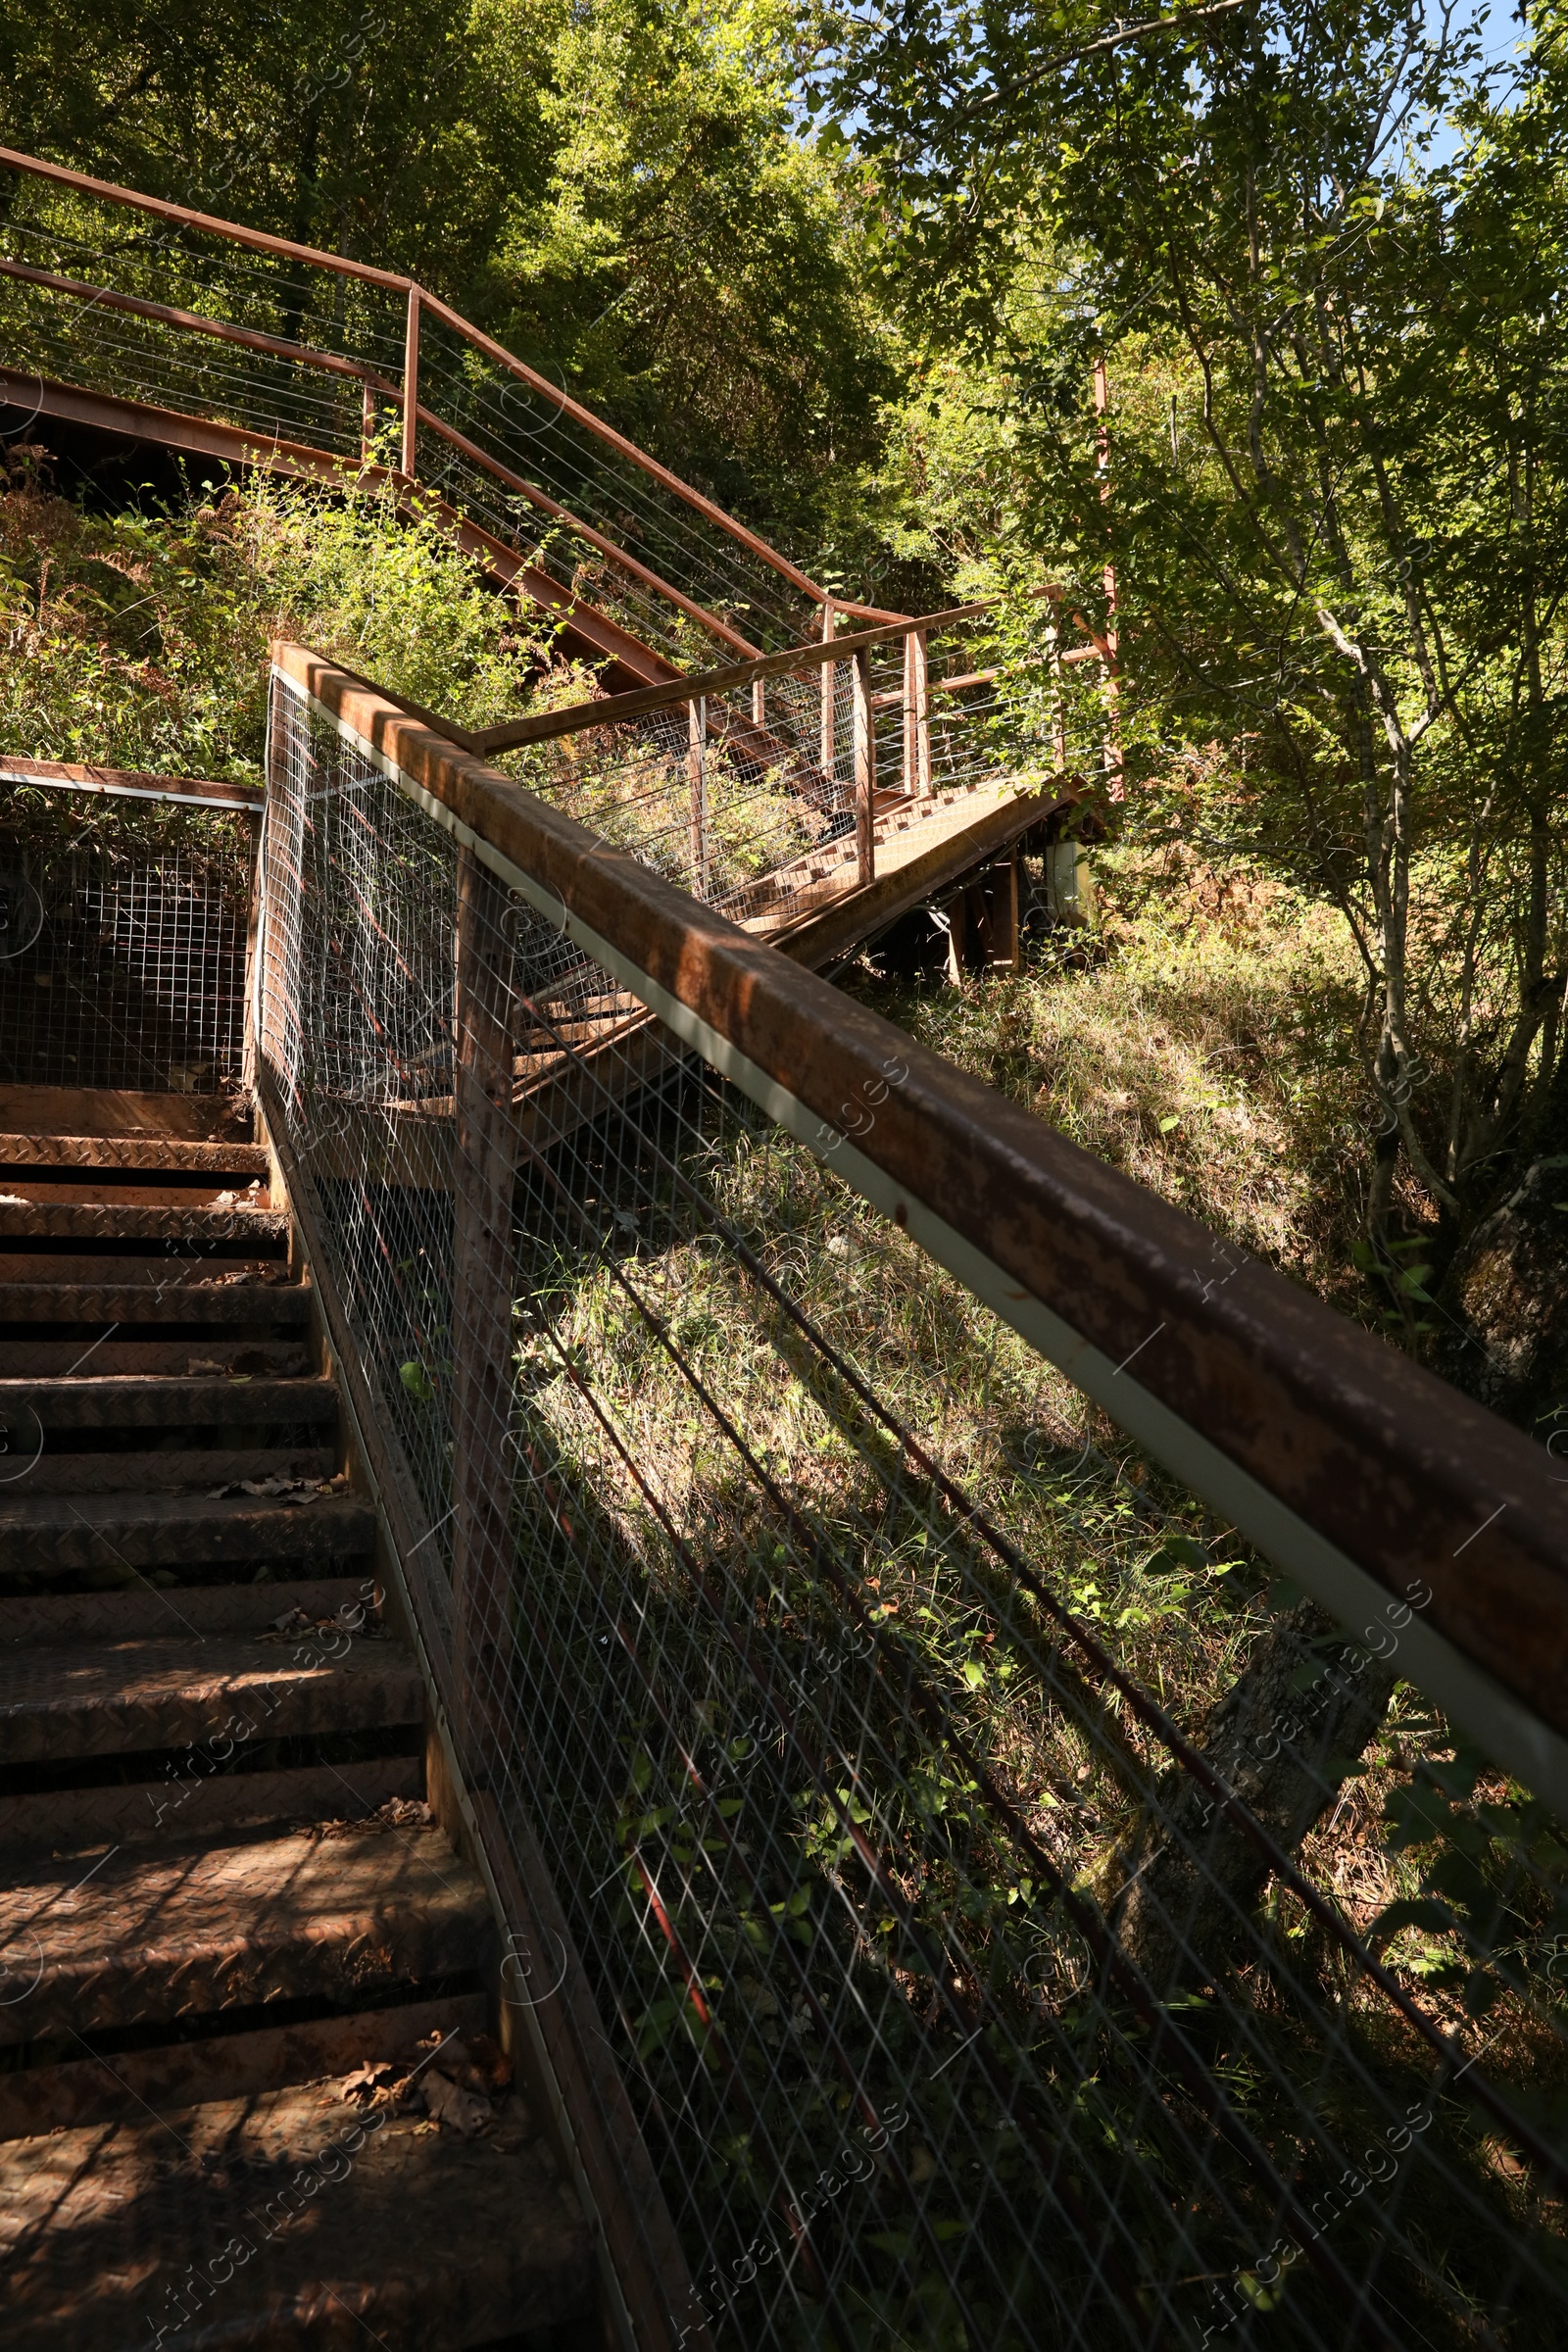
[{"x": 231, "y": 1940}]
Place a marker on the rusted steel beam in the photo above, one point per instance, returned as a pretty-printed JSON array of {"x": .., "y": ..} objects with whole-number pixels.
[
  {"x": 864, "y": 769},
  {"x": 133, "y": 784},
  {"x": 587, "y": 630},
  {"x": 411, "y": 388},
  {"x": 1361, "y": 1474}
]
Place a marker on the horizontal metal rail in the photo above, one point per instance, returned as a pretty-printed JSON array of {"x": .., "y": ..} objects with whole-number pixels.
[
  {"x": 134, "y": 784},
  {"x": 816, "y": 653},
  {"x": 259, "y": 241},
  {"x": 1347, "y": 1464},
  {"x": 306, "y": 355}
]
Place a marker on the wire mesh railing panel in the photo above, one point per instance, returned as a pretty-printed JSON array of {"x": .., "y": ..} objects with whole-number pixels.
[
  {"x": 851, "y": 1699},
  {"x": 123, "y": 946},
  {"x": 595, "y": 500},
  {"x": 751, "y": 801}
]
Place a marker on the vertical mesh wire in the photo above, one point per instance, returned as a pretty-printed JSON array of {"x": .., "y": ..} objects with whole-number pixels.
[
  {"x": 122, "y": 946},
  {"x": 818, "y": 1652}
]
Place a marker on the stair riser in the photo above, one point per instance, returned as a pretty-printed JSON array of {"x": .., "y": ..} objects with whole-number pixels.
[
  {"x": 117, "y": 1473},
  {"x": 68, "y": 1821},
  {"x": 216, "y": 1717}
]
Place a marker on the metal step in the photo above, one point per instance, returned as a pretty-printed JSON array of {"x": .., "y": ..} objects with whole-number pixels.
[
  {"x": 164, "y": 1471},
  {"x": 139, "y": 1401},
  {"x": 244, "y": 1160},
  {"x": 73, "y": 1188},
  {"x": 214, "y": 1691},
  {"x": 114, "y": 1222},
  {"x": 225, "y": 2066},
  {"x": 283, "y": 2220},
  {"x": 143, "y": 1935},
  {"x": 150, "y": 1268},
  {"x": 183, "y": 1298},
  {"x": 143, "y": 1613},
  {"x": 54, "y": 1821},
  {"x": 276, "y": 1359},
  {"x": 53, "y": 1536}
]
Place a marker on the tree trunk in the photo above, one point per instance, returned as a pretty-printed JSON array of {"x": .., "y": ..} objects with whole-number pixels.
[{"x": 1284, "y": 1737}]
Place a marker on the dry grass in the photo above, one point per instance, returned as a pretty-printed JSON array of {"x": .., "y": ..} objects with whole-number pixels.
[{"x": 1199, "y": 1043}]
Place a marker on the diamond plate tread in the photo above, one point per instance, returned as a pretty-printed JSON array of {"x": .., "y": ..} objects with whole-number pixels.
[
  {"x": 297, "y": 2218},
  {"x": 144, "y": 1937},
  {"x": 85, "y": 1188},
  {"x": 101, "y": 1698},
  {"x": 70, "y": 1821},
  {"x": 146, "y": 1613},
  {"x": 130, "y": 1152},
  {"x": 143, "y": 1400},
  {"x": 182, "y": 1299},
  {"x": 53, "y": 1533},
  {"x": 142, "y": 1268},
  {"x": 271, "y": 1360},
  {"x": 161, "y": 1470},
  {"x": 225, "y": 2066},
  {"x": 80, "y": 1221}
]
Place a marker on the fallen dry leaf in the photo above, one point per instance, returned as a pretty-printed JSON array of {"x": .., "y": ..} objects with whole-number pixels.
[{"x": 454, "y": 2106}]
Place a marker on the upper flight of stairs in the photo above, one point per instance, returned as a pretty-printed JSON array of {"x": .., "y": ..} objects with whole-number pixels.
[{"x": 222, "y": 1892}]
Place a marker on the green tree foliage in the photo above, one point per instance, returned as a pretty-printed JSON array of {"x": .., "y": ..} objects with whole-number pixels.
[
  {"x": 1336, "y": 477},
  {"x": 615, "y": 189}
]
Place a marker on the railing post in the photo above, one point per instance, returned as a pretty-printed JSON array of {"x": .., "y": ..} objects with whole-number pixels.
[
  {"x": 759, "y": 702},
  {"x": 697, "y": 770},
  {"x": 366, "y": 423},
  {"x": 920, "y": 680},
  {"x": 1059, "y": 703},
  {"x": 864, "y": 769},
  {"x": 828, "y": 671},
  {"x": 483, "y": 1163},
  {"x": 411, "y": 386}
]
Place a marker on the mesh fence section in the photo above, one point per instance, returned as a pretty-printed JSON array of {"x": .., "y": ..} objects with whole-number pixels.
[
  {"x": 122, "y": 944},
  {"x": 1016, "y": 1919}
]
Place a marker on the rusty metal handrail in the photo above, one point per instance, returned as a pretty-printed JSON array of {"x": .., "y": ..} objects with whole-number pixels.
[
  {"x": 422, "y": 299},
  {"x": 1348, "y": 1465},
  {"x": 133, "y": 784},
  {"x": 614, "y": 710}
]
